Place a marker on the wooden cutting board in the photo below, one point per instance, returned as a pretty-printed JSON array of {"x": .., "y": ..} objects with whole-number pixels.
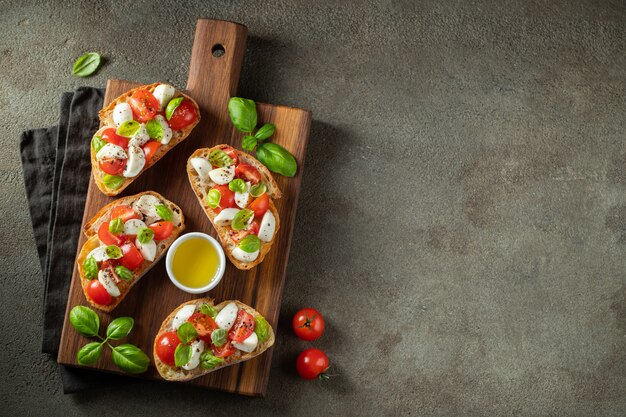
[{"x": 212, "y": 81}]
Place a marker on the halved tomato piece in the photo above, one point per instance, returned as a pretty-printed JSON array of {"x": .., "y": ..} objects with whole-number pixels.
[
  {"x": 224, "y": 351},
  {"x": 204, "y": 325},
  {"x": 150, "y": 149},
  {"x": 237, "y": 235},
  {"x": 243, "y": 327},
  {"x": 184, "y": 115},
  {"x": 110, "y": 135},
  {"x": 227, "y": 199},
  {"x": 162, "y": 230},
  {"x": 131, "y": 257},
  {"x": 112, "y": 166},
  {"x": 260, "y": 205},
  {"x": 98, "y": 293},
  {"x": 124, "y": 212},
  {"x": 108, "y": 238},
  {"x": 248, "y": 173},
  {"x": 144, "y": 105},
  {"x": 230, "y": 151}
]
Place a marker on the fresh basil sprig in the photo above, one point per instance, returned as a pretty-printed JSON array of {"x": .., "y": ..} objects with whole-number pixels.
[
  {"x": 209, "y": 361},
  {"x": 128, "y": 128},
  {"x": 261, "y": 328},
  {"x": 145, "y": 235},
  {"x": 164, "y": 212},
  {"x": 85, "y": 321},
  {"x": 186, "y": 332},
  {"x": 250, "y": 244},
  {"x": 124, "y": 273},
  {"x": 86, "y": 64},
  {"x": 277, "y": 159},
  {"x": 265, "y": 131},
  {"x": 248, "y": 143},
  {"x": 182, "y": 354},
  {"x": 172, "y": 106},
  {"x": 120, "y": 328},
  {"x": 97, "y": 143},
  {"x": 112, "y": 182},
  {"x": 242, "y": 112},
  {"x": 240, "y": 221},
  {"x": 130, "y": 358},
  {"x": 258, "y": 189},
  {"x": 208, "y": 310},
  {"x": 220, "y": 159},
  {"x": 116, "y": 226},
  {"x": 154, "y": 129},
  {"x": 213, "y": 198},
  {"x": 91, "y": 267},
  {"x": 113, "y": 252},
  {"x": 237, "y": 185},
  {"x": 218, "y": 337}
]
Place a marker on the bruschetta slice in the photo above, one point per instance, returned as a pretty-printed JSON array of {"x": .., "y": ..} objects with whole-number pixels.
[
  {"x": 125, "y": 239},
  {"x": 199, "y": 337},
  {"x": 138, "y": 128},
  {"x": 236, "y": 192}
]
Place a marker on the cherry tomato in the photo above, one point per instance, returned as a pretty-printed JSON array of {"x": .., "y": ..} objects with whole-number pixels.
[
  {"x": 243, "y": 327},
  {"x": 237, "y": 235},
  {"x": 224, "y": 351},
  {"x": 248, "y": 173},
  {"x": 131, "y": 257},
  {"x": 112, "y": 166},
  {"x": 162, "y": 230},
  {"x": 308, "y": 324},
  {"x": 124, "y": 212},
  {"x": 204, "y": 325},
  {"x": 230, "y": 151},
  {"x": 144, "y": 105},
  {"x": 228, "y": 198},
  {"x": 150, "y": 149},
  {"x": 184, "y": 115},
  {"x": 98, "y": 293},
  {"x": 260, "y": 205},
  {"x": 107, "y": 237},
  {"x": 166, "y": 345},
  {"x": 110, "y": 135},
  {"x": 312, "y": 363}
]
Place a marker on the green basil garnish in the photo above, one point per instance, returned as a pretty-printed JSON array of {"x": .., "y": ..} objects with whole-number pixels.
[
  {"x": 85, "y": 321},
  {"x": 208, "y": 310},
  {"x": 116, "y": 226},
  {"x": 120, "y": 328},
  {"x": 248, "y": 143},
  {"x": 112, "y": 182},
  {"x": 154, "y": 129},
  {"x": 182, "y": 354},
  {"x": 209, "y": 361},
  {"x": 124, "y": 273},
  {"x": 265, "y": 131},
  {"x": 277, "y": 159},
  {"x": 237, "y": 185},
  {"x": 91, "y": 267},
  {"x": 113, "y": 252},
  {"x": 145, "y": 235},
  {"x": 164, "y": 212},
  {"x": 86, "y": 64},
  {"x": 213, "y": 198},
  {"x": 258, "y": 189},
  {"x": 172, "y": 106},
  {"x": 261, "y": 328},
  {"x": 243, "y": 114},
  {"x": 240, "y": 221},
  {"x": 186, "y": 332},
  {"x": 128, "y": 128},
  {"x": 89, "y": 354},
  {"x": 218, "y": 337},
  {"x": 250, "y": 244},
  {"x": 97, "y": 143},
  {"x": 219, "y": 158},
  {"x": 130, "y": 358}
]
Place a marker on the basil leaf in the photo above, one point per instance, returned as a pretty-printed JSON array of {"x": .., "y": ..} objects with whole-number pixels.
[
  {"x": 91, "y": 267},
  {"x": 208, "y": 310},
  {"x": 219, "y": 158},
  {"x": 243, "y": 114},
  {"x": 218, "y": 337},
  {"x": 86, "y": 64},
  {"x": 128, "y": 128},
  {"x": 213, "y": 198},
  {"x": 248, "y": 143},
  {"x": 261, "y": 328},
  {"x": 116, "y": 226},
  {"x": 124, "y": 273},
  {"x": 97, "y": 143},
  {"x": 277, "y": 159},
  {"x": 113, "y": 252},
  {"x": 164, "y": 212},
  {"x": 172, "y": 106},
  {"x": 120, "y": 328},
  {"x": 258, "y": 189},
  {"x": 85, "y": 321},
  {"x": 237, "y": 185},
  {"x": 145, "y": 235},
  {"x": 154, "y": 129},
  {"x": 186, "y": 332},
  {"x": 182, "y": 354},
  {"x": 265, "y": 131},
  {"x": 112, "y": 182},
  {"x": 240, "y": 221},
  {"x": 130, "y": 358},
  {"x": 209, "y": 361},
  {"x": 250, "y": 244},
  {"x": 89, "y": 354}
]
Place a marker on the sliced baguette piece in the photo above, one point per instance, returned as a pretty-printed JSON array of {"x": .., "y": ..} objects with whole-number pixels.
[
  {"x": 91, "y": 231},
  {"x": 201, "y": 188},
  {"x": 173, "y": 373},
  {"x": 106, "y": 121}
]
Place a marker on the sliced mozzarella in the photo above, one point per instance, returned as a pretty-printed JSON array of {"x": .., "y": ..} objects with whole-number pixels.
[
  {"x": 133, "y": 226},
  {"x": 267, "y": 227},
  {"x": 202, "y": 167},
  {"x": 110, "y": 150},
  {"x": 183, "y": 315},
  {"x": 99, "y": 254},
  {"x": 249, "y": 344},
  {"x": 222, "y": 175},
  {"x": 148, "y": 250},
  {"x": 167, "y": 130},
  {"x": 225, "y": 217},
  {"x": 135, "y": 163},
  {"x": 227, "y": 316},
  {"x": 164, "y": 93},
  {"x": 108, "y": 282},
  {"x": 244, "y": 256},
  {"x": 146, "y": 205},
  {"x": 122, "y": 113},
  {"x": 242, "y": 198},
  {"x": 197, "y": 347},
  {"x": 140, "y": 137}
]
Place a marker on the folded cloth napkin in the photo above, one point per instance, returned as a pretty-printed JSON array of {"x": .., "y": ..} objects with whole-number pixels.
[{"x": 56, "y": 175}]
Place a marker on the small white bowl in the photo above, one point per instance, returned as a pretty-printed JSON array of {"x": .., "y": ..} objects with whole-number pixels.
[{"x": 220, "y": 269}]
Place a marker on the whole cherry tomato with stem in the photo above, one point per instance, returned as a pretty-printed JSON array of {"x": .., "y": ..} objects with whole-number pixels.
[
  {"x": 308, "y": 324},
  {"x": 312, "y": 364}
]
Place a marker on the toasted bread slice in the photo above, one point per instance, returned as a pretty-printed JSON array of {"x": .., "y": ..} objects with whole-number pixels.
[
  {"x": 106, "y": 121},
  {"x": 91, "y": 231},
  {"x": 173, "y": 373},
  {"x": 201, "y": 188}
]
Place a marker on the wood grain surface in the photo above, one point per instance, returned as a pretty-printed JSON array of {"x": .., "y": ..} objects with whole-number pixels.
[{"x": 212, "y": 81}]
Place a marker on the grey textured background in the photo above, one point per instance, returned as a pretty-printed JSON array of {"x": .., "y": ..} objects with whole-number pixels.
[{"x": 462, "y": 223}]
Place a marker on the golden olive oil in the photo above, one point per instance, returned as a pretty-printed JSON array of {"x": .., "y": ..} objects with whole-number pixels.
[{"x": 195, "y": 262}]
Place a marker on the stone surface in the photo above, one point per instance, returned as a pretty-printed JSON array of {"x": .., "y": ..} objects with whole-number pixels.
[{"x": 462, "y": 222}]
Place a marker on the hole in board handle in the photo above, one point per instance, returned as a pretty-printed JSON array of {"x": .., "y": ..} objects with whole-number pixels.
[{"x": 218, "y": 50}]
